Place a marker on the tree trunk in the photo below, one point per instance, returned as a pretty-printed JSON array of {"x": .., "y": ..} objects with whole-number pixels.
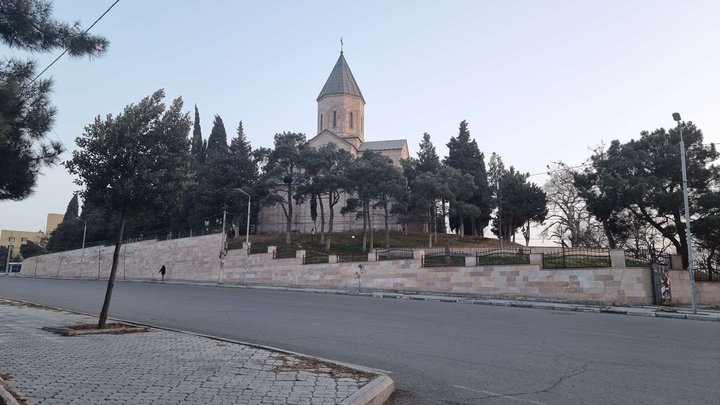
[
  {"x": 681, "y": 229},
  {"x": 387, "y": 230},
  {"x": 365, "y": 220},
  {"x": 372, "y": 230},
  {"x": 429, "y": 221},
  {"x": 322, "y": 220},
  {"x": 331, "y": 219},
  {"x": 444, "y": 217},
  {"x": 288, "y": 214},
  {"x": 113, "y": 271}
]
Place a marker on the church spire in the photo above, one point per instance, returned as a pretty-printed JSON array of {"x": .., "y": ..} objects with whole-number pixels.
[{"x": 341, "y": 80}]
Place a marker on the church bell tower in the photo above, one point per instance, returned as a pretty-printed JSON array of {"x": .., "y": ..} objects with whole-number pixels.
[{"x": 341, "y": 106}]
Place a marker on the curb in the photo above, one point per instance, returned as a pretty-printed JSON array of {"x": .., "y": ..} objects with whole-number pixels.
[
  {"x": 5, "y": 394},
  {"x": 375, "y": 392}
]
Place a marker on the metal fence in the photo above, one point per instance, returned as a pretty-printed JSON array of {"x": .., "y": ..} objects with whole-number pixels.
[
  {"x": 352, "y": 257},
  {"x": 315, "y": 257},
  {"x": 645, "y": 258},
  {"x": 258, "y": 249},
  {"x": 565, "y": 258},
  {"x": 444, "y": 258},
  {"x": 394, "y": 254},
  {"x": 283, "y": 253},
  {"x": 501, "y": 256}
]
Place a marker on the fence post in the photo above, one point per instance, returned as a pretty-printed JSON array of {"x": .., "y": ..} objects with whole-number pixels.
[
  {"x": 300, "y": 255},
  {"x": 676, "y": 262},
  {"x": 536, "y": 259},
  {"x": 272, "y": 249},
  {"x": 418, "y": 254},
  {"x": 333, "y": 259},
  {"x": 470, "y": 261},
  {"x": 371, "y": 256}
]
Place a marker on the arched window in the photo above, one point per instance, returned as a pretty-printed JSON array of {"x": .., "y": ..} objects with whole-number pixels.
[
  {"x": 362, "y": 123},
  {"x": 334, "y": 119},
  {"x": 321, "y": 122},
  {"x": 351, "y": 121}
]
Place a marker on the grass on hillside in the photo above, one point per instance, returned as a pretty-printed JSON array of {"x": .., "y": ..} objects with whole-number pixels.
[{"x": 347, "y": 243}]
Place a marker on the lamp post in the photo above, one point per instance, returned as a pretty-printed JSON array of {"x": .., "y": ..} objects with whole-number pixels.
[
  {"x": 676, "y": 117},
  {"x": 11, "y": 241}
]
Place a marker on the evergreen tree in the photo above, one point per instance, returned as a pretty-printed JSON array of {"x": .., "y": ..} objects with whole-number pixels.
[
  {"x": 520, "y": 203},
  {"x": 217, "y": 177},
  {"x": 465, "y": 156},
  {"x": 26, "y": 115},
  {"x": 133, "y": 162},
  {"x": 72, "y": 210},
  {"x": 197, "y": 148},
  {"x": 641, "y": 177},
  {"x": 428, "y": 160},
  {"x": 217, "y": 145},
  {"x": 243, "y": 174},
  {"x": 283, "y": 174}
]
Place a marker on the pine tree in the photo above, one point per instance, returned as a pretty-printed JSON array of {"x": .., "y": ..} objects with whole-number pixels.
[
  {"x": 26, "y": 114},
  {"x": 465, "y": 156},
  {"x": 428, "y": 160}
]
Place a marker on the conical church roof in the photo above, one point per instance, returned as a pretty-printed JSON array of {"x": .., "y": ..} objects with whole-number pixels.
[{"x": 341, "y": 81}]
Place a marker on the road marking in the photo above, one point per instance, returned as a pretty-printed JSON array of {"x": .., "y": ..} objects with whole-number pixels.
[{"x": 495, "y": 394}]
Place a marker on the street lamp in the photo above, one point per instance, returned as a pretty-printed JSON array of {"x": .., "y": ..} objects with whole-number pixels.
[
  {"x": 11, "y": 241},
  {"x": 676, "y": 117}
]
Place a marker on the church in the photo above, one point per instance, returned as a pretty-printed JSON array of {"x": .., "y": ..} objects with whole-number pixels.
[{"x": 340, "y": 121}]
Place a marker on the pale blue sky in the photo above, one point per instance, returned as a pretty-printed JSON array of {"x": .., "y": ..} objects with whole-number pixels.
[{"x": 538, "y": 81}]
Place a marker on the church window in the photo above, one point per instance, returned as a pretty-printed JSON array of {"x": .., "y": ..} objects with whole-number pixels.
[
  {"x": 321, "y": 122},
  {"x": 334, "y": 119},
  {"x": 351, "y": 121}
]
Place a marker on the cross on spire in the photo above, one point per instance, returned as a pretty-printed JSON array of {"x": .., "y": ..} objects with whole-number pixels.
[{"x": 341, "y": 45}]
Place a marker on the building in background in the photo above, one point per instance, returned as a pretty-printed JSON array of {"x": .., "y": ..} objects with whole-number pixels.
[
  {"x": 15, "y": 238},
  {"x": 340, "y": 121}
]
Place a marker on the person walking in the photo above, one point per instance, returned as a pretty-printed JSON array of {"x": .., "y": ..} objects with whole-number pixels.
[{"x": 162, "y": 273}]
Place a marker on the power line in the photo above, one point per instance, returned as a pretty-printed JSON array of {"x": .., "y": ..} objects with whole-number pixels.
[{"x": 68, "y": 48}]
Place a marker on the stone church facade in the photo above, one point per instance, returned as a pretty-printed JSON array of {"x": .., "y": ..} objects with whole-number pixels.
[{"x": 340, "y": 121}]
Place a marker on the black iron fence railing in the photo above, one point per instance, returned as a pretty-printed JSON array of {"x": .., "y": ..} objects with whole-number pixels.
[
  {"x": 645, "y": 258},
  {"x": 502, "y": 256},
  {"x": 352, "y": 257},
  {"x": 444, "y": 258},
  {"x": 565, "y": 258},
  {"x": 394, "y": 254},
  {"x": 258, "y": 249},
  {"x": 283, "y": 253},
  {"x": 315, "y": 257}
]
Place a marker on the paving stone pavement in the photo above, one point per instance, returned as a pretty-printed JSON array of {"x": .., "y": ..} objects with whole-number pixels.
[{"x": 157, "y": 367}]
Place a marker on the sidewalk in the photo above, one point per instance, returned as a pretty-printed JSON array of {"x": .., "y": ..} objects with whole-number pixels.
[{"x": 161, "y": 367}]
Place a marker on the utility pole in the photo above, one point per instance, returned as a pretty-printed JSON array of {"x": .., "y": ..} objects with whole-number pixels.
[{"x": 676, "y": 117}]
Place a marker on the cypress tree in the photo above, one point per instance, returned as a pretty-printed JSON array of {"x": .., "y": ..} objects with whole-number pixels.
[
  {"x": 197, "y": 148},
  {"x": 73, "y": 208}
]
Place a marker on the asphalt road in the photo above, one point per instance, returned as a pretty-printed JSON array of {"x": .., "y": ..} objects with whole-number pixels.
[{"x": 437, "y": 353}]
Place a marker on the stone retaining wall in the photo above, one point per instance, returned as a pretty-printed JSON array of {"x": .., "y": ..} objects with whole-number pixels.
[
  {"x": 708, "y": 292},
  {"x": 197, "y": 259}
]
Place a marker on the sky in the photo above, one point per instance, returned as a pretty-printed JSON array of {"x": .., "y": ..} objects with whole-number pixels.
[{"x": 538, "y": 82}]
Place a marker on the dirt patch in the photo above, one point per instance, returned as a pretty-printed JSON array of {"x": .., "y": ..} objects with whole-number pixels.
[
  {"x": 92, "y": 329},
  {"x": 290, "y": 364}
]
